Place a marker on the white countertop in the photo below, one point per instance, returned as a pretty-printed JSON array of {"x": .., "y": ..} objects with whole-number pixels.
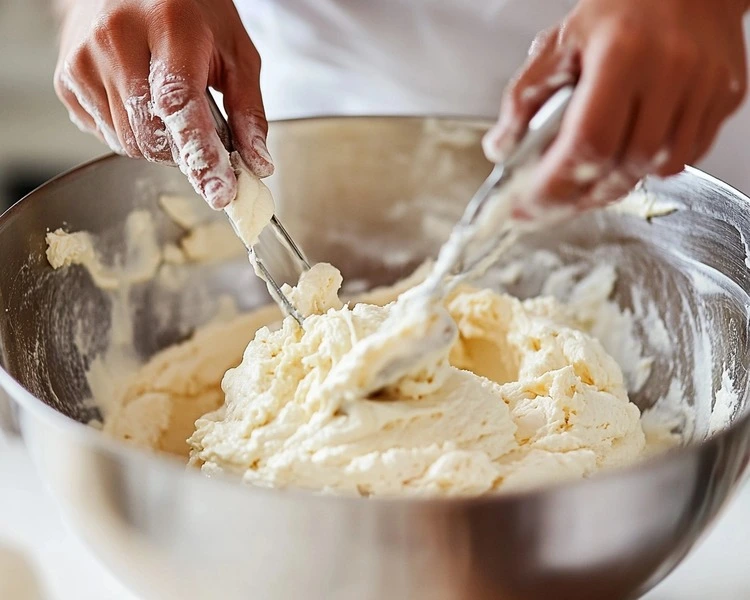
[{"x": 47, "y": 562}]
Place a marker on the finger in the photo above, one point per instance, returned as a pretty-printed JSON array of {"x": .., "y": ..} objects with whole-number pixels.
[
  {"x": 240, "y": 84},
  {"x": 92, "y": 98},
  {"x": 79, "y": 117},
  {"x": 150, "y": 132},
  {"x": 596, "y": 126},
  {"x": 685, "y": 128},
  {"x": 727, "y": 97},
  {"x": 663, "y": 90},
  {"x": 121, "y": 124},
  {"x": 141, "y": 133},
  {"x": 125, "y": 56},
  {"x": 548, "y": 68},
  {"x": 114, "y": 80},
  {"x": 178, "y": 80}
]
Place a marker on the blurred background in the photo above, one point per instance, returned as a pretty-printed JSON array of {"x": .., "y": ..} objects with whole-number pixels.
[{"x": 37, "y": 140}]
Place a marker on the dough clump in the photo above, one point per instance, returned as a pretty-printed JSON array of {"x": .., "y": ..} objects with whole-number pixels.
[{"x": 521, "y": 399}]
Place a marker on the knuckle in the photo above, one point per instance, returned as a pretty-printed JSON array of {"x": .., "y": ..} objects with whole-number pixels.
[
  {"x": 737, "y": 86},
  {"x": 245, "y": 51},
  {"x": 252, "y": 58},
  {"x": 171, "y": 95},
  {"x": 100, "y": 34},
  {"x": 681, "y": 53},
  {"x": 176, "y": 17},
  {"x": 111, "y": 27},
  {"x": 242, "y": 66},
  {"x": 544, "y": 41},
  {"x": 72, "y": 75},
  {"x": 79, "y": 62},
  {"x": 155, "y": 145},
  {"x": 729, "y": 84},
  {"x": 517, "y": 95}
]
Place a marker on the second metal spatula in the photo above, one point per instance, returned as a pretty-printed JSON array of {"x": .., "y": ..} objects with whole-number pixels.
[{"x": 456, "y": 258}]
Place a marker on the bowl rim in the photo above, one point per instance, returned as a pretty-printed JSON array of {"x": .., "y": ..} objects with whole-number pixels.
[{"x": 26, "y": 401}]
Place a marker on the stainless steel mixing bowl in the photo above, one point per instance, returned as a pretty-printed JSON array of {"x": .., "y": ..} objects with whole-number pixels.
[{"x": 375, "y": 196}]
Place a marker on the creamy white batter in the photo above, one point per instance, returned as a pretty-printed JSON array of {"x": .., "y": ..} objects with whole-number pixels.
[
  {"x": 139, "y": 262},
  {"x": 544, "y": 403},
  {"x": 519, "y": 395}
]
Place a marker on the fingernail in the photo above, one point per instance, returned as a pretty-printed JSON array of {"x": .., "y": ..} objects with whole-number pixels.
[
  {"x": 259, "y": 145},
  {"x": 217, "y": 193},
  {"x": 262, "y": 164}
]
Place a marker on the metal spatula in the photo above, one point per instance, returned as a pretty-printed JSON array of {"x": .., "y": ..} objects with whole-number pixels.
[
  {"x": 277, "y": 256},
  {"x": 456, "y": 261},
  {"x": 477, "y": 240}
]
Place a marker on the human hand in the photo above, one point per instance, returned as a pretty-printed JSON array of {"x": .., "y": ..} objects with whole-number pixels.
[
  {"x": 655, "y": 81},
  {"x": 135, "y": 73}
]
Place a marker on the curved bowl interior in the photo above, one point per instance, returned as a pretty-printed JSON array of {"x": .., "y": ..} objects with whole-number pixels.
[{"x": 376, "y": 196}]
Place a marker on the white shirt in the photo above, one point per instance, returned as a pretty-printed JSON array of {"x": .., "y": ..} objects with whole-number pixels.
[
  {"x": 450, "y": 57},
  {"x": 324, "y": 57}
]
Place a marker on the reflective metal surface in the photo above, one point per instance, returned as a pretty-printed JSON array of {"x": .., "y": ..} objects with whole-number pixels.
[
  {"x": 170, "y": 533},
  {"x": 274, "y": 245}
]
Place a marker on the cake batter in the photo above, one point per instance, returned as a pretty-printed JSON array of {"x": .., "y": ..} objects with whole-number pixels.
[
  {"x": 509, "y": 395},
  {"x": 520, "y": 399}
]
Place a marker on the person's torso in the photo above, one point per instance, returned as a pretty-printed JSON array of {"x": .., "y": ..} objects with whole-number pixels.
[
  {"x": 392, "y": 56},
  {"x": 452, "y": 57}
]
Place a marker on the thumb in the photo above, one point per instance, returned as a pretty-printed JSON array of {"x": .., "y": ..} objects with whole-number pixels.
[
  {"x": 247, "y": 117},
  {"x": 546, "y": 70}
]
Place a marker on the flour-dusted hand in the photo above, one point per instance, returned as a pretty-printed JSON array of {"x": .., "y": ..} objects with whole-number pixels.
[
  {"x": 135, "y": 73},
  {"x": 655, "y": 80}
]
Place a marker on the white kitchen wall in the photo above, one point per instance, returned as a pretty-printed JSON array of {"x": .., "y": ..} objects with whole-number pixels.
[{"x": 37, "y": 140}]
